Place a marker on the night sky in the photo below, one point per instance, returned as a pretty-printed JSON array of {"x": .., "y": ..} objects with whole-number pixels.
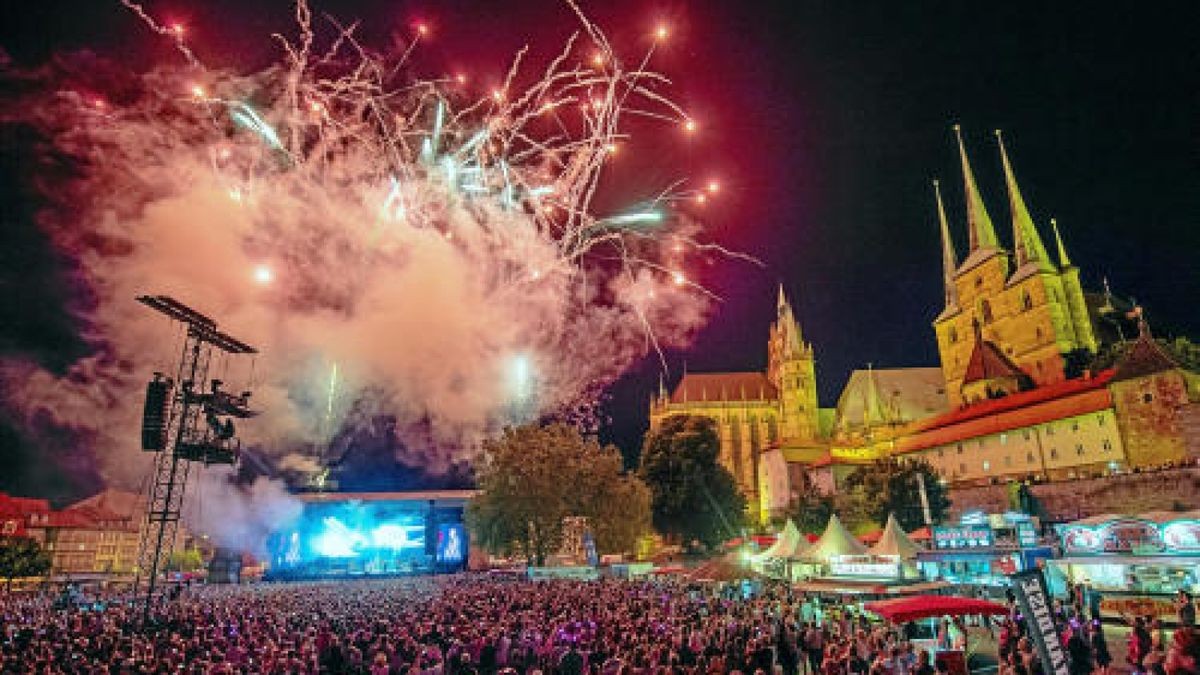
[{"x": 824, "y": 122}]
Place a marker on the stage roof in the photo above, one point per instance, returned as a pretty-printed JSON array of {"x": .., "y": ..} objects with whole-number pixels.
[{"x": 441, "y": 497}]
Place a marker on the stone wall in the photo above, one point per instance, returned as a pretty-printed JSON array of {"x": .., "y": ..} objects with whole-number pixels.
[{"x": 1165, "y": 490}]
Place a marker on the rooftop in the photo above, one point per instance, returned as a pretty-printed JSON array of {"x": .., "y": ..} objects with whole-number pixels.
[{"x": 718, "y": 387}]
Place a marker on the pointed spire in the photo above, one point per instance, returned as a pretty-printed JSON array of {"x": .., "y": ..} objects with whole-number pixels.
[
  {"x": 1063, "y": 260},
  {"x": 789, "y": 328},
  {"x": 782, "y": 301},
  {"x": 979, "y": 223},
  {"x": 949, "y": 259},
  {"x": 1026, "y": 241},
  {"x": 662, "y": 386}
]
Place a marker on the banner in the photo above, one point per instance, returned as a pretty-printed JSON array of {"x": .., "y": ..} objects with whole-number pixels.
[{"x": 1030, "y": 589}]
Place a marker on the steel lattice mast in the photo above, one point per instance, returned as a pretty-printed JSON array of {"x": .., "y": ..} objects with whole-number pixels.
[{"x": 184, "y": 422}]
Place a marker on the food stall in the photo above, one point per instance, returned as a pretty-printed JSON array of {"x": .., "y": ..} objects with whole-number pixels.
[
  {"x": 915, "y": 608},
  {"x": 1136, "y": 563},
  {"x": 984, "y": 549},
  {"x": 849, "y": 568}
]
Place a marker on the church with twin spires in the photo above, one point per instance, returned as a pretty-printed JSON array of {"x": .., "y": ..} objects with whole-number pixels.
[{"x": 1000, "y": 405}]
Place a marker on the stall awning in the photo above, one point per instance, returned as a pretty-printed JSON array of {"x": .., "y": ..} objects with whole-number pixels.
[
  {"x": 867, "y": 586},
  {"x": 925, "y": 606},
  {"x": 1129, "y": 560}
]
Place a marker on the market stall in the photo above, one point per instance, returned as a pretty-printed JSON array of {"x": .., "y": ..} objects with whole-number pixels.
[
  {"x": 907, "y": 610},
  {"x": 778, "y": 559},
  {"x": 1133, "y": 564},
  {"x": 982, "y": 550}
]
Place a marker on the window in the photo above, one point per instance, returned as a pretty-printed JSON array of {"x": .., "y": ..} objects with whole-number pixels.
[
  {"x": 1038, "y": 331},
  {"x": 1007, "y": 460},
  {"x": 1049, "y": 429},
  {"x": 1029, "y": 458},
  {"x": 1003, "y": 439},
  {"x": 952, "y": 335},
  {"x": 962, "y": 467},
  {"x": 987, "y": 466},
  {"x": 1147, "y": 397},
  {"x": 980, "y": 443},
  {"x": 941, "y": 453},
  {"x": 1106, "y": 445},
  {"x": 1053, "y": 453},
  {"x": 1075, "y": 425},
  {"x": 1079, "y": 449},
  {"x": 1025, "y": 433},
  {"x": 978, "y": 282},
  {"x": 986, "y": 308},
  {"x": 1100, "y": 420},
  {"x": 960, "y": 448},
  {"x": 1026, "y": 302}
]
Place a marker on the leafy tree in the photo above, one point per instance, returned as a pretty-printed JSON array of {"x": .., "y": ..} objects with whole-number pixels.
[
  {"x": 891, "y": 486},
  {"x": 533, "y": 477},
  {"x": 187, "y": 560},
  {"x": 22, "y": 557},
  {"x": 1185, "y": 352},
  {"x": 811, "y": 508},
  {"x": 694, "y": 498}
]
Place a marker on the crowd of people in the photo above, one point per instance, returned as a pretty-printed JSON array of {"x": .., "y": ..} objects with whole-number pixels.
[{"x": 482, "y": 625}]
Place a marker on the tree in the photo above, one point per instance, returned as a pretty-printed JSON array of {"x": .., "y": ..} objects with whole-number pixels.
[
  {"x": 891, "y": 486},
  {"x": 533, "y": 477},
  {"x": 187, "y": 560},
  {"x": 22, "y": 557},
  {"x": 694, "y": 498},
  {"x": 811, "y": 508}
]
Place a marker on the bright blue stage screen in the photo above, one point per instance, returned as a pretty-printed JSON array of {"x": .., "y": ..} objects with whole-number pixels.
[{"x": 352, "y": 537}]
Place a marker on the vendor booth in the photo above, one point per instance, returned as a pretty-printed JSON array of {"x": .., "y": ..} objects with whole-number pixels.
[
  {"x": 930, "y": 609},
  {"x": 778, "y": 560},
  {"x": 983, "y": 549},
  {"x": 849, "y": 568},
  {"x": 1135, "y": 563}
]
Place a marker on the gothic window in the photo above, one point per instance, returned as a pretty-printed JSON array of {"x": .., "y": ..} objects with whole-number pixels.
[
  {"x": 953, "y": 335},
  {"x": 1038, "y": 332},
  {"x": 1106, "y": 445},
  {"x": 986, "y": 308},
  {"x": 1026, "y": 301},
  {"x": 1053, "y": 453},
  {"x": 978, "y": 282}
]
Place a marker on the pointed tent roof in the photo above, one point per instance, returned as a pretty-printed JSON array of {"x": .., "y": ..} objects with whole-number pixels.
[
  {"x": 988, "y": 362},
  {"x": 1030, "y": 254},
  {"x": 835, "y": 541},
  {"x": 790, "y": 544},
  {"x": 983, "y": 241},
  {"x": 894, "y": 541},
  {"x": 949, "y": 258}
]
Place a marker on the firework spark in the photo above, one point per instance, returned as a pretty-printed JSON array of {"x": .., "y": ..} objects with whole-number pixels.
[{"x": 338, "y": 209}]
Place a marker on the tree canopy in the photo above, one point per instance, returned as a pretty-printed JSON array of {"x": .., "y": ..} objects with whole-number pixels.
[
  {"x": 892, "y": 486},
  {"x": 532, "y": 477},
  {"x": 22, "y": 557},
  {"x": 811, "y": 508},
  {"x": 695, "y": 499}
]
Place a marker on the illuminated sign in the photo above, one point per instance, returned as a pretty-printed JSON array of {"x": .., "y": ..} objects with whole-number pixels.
[
  {"x": 451, "y": 544},
  {"x": 962, "y": 537},
  {"x": 1027, "y": 535},
  {"x": 887, "y": 567},
  {"x": 1132, "y": 536}
]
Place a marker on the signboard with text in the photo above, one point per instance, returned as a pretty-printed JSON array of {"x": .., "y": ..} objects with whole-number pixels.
[
  {"x": 1133, "y": 536},
  {"x": 962, "y": 537},
  {"x": 1030, "y": 589}
]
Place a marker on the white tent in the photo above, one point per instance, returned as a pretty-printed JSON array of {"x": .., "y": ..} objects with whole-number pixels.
[
  {"x": 790, "y": 544},
  {"x": 895, "y": 542},
  {"x": 835, "y": 541}
]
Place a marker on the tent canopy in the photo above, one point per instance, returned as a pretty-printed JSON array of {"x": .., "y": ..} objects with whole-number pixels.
[
  {"x": 727, "y": 567},
  {"x": 924, "y": 606},
  {"x": 836, "y": 541},
  {"x": 790, "y": 544},
  {"x": 893, "y": 541}
]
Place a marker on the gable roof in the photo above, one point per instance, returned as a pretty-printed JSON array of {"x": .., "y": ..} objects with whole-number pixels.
[
  {"x": 116, "y": 502},
  {"x": 717, "y": 387},
  {"x": 790, "y": 544},
  {"x": 894, "y": 541},
  {"x": 989, "y": 363}
]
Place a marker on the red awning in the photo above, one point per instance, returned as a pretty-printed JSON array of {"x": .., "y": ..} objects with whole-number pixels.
[
  {"x": 924, "y": 606},
  {"x": 871, "y": 537},
  {"x": 920, "y": 534}
]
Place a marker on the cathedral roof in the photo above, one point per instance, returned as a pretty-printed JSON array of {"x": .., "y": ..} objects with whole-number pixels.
[
  {"x": 721, "y": 387},
  {"x": 989, "y": 363},
  {"x": 889, "y": 396}
]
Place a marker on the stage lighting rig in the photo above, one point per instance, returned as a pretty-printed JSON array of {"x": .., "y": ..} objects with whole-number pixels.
[{"x": 184, "y": 423}]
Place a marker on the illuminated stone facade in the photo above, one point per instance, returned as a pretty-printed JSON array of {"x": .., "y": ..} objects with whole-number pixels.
[
  {"x": 1030, "y": 307},
  {"x": 753, "y": 410}
]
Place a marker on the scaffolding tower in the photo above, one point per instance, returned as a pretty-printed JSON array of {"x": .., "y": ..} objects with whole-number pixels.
[{"x": 186, "y": 420}]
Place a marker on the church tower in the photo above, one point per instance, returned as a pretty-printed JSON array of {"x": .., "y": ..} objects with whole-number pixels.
[
  {"x": 1028, "y": 307},
  {"x": 791, "y": 369}
]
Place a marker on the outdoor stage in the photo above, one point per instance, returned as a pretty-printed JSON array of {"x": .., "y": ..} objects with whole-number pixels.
[{"x": 372, "y": 534}]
